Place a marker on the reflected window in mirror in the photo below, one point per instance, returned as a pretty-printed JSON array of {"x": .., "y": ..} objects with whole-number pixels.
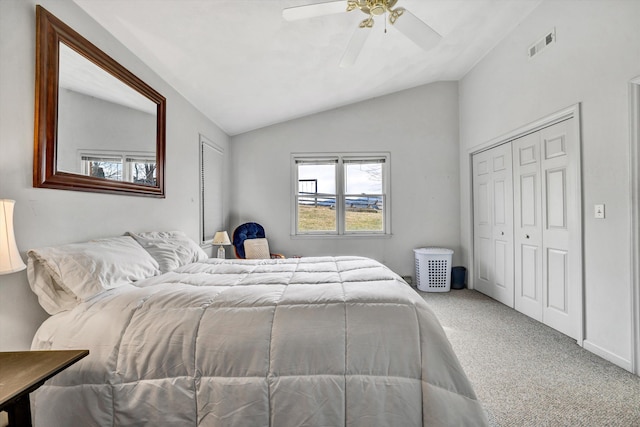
[{"x": 139, "y": 168}]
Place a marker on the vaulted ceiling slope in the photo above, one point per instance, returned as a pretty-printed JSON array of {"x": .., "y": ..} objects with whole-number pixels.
[{"x": 245, "y": 67}]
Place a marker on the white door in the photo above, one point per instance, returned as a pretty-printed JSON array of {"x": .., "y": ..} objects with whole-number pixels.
[
  {"x": 547, "y": 263},
  {"x": 528, "y": 225},
  {"x": 493, "y": 223},
  {"x": 482, "y": 201},
  {"x": 561, "y": 257}
]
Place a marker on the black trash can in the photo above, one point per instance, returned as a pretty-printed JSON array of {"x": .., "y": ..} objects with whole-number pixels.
[{"x": 458, "y": 277}]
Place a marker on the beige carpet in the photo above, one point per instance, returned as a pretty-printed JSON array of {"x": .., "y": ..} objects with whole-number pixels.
[{"x": 527, "y": 374}]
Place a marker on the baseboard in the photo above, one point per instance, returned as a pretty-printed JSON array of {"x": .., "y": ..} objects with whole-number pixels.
[{"x": 607, "y": 355}]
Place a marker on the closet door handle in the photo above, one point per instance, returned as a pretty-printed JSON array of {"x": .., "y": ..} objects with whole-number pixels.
[
  {"x": 502, "y": 233},
  {"x": 526, "y": 235}
]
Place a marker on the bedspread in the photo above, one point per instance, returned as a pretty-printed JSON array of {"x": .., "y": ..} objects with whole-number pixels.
[{"x": 331, "y": 341}]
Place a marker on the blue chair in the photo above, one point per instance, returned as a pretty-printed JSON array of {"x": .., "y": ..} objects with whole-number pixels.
[{"x": 248, "y": 230}]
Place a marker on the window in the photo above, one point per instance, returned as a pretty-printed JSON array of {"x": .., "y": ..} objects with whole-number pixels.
[
  {"x": 341, "y": 194},
  {"x": 139, "y": 168}
]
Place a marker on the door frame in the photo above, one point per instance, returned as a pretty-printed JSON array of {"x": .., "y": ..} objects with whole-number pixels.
[
  {"x": 205, "y": 240},
  {"x": 634, "y": 146},
  {"x": 571, "y": 112}
]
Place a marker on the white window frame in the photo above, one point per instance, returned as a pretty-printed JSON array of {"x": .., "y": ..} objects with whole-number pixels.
[
  {"x": 340, "y": 159},
  {"x": 121, "y": 156}
]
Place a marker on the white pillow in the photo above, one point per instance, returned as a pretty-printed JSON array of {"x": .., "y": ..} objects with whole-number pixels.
[
  {"x": 256, "y": 249},
  {"x": 63, "y": 276},
  {"x": 172, "y": 249}
]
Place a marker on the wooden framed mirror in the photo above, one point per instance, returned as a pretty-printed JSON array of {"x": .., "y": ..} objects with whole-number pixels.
[{"x": 99, "y": 128}]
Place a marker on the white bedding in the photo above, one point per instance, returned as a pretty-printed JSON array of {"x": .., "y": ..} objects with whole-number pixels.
[{"x": 332, "y": 341}]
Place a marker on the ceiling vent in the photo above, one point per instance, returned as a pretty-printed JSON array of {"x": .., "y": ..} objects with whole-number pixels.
[{"x": 541, "y": 44}]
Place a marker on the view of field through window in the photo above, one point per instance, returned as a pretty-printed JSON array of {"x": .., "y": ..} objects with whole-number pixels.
[{"x": 362, "y": 193}]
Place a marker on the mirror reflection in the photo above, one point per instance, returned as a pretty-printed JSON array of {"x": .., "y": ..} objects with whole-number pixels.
[{"x": 106, "y": 129}]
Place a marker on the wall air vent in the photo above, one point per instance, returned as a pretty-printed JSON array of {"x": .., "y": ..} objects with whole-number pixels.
[{"x": 541, "y": 44}]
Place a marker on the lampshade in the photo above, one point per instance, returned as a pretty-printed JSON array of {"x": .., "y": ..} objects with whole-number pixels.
[
  {"x": 10, "y": 260},
  {"x": 221, "y": 238}
]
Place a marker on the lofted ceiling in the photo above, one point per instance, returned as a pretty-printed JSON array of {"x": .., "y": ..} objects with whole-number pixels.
[{"x": 245, "y": 67}]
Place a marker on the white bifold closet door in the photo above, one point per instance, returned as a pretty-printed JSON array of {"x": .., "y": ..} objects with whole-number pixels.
[
  {"x": 493, "y": 223},
  {"x": 546, "y": 289},
  {"x": 524, "y": 205},
  {"x": 528, "y": 226}
]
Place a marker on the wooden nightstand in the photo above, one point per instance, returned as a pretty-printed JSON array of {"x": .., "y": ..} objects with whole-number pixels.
[{"x": 22, "y": 372}]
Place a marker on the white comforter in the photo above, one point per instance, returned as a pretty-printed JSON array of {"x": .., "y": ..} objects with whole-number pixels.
[{"x": 297, "y": 342}]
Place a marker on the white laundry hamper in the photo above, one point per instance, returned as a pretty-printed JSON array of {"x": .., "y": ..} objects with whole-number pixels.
[{"x": 433, "y": 269}]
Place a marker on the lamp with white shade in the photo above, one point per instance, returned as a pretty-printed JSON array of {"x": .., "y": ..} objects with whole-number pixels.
[
  {"x": 10, "y": 260},
  {"x": 221, "y": 238}
]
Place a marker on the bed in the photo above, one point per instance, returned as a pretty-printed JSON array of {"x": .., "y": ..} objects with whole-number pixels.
[{"x": 177, "y": 339}]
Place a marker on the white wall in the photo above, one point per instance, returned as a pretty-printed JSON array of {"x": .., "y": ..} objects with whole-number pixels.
[
  {"x": 419, "y": 127},
  {"x": 49, "y": 217},
  {"x": 596, "y": 55}
]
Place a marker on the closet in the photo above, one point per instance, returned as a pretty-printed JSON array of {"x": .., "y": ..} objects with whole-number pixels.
[{"x": 526, "y": 205}]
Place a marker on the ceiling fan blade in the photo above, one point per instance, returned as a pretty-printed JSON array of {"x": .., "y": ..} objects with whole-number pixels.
[
  {"x": 416, "y": 30},
  {"x": 313, "y": 10},
  {"x": 354, "y": 47}
]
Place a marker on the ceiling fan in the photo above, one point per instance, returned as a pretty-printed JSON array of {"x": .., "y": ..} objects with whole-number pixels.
[{"x": 406, "y": 22}]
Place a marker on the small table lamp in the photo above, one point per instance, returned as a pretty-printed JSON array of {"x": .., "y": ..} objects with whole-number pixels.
[
  {"x": 10, "y": 260},
  {"x": 221, "y": 238}
]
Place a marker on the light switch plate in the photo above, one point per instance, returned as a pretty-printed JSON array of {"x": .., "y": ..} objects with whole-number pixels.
[{"x": 598, "y": 211}]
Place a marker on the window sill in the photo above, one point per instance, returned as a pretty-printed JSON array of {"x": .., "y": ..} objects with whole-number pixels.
[{"x": 339, "y": 236}]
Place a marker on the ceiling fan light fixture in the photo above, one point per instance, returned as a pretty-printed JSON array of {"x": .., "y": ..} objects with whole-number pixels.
[
  {"x": 403, "y": 20},
  {"x": 395, "y": 14},
  {"x": 378, "y": 9},
  {"x": 367, "y": 23},
  {"x": 371, "y": 7}
]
